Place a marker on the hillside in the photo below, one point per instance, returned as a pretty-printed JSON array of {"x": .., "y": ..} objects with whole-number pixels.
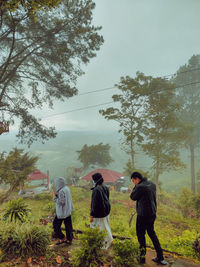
[{"x": 59, "y": 153}]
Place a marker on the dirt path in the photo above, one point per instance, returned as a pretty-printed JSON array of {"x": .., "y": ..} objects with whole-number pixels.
[{"x": 174, "y": 261}]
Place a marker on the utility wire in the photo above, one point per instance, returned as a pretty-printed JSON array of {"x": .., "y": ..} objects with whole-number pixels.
[
  {"x": 102, "y": 104},
  {"x": 88, "y": 107},
  {"x": 109, "y": 88}
]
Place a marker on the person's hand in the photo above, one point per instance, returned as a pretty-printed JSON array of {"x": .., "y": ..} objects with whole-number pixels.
[
  {"x": 54, "y": 194},
  {"x": 91, "y": 219}
]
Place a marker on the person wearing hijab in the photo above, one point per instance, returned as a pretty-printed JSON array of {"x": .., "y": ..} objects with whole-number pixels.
[
  {"x": 64, "y": 207},
  {"x": 100, "y": 208}
]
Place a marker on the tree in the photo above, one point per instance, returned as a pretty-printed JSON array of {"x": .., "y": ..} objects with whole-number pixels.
[
  {"x": 41, "y": 60},
  {"x": 188, "y": 95},
  {"x": 130, "y": 113},
  {"x": 163, "y": 127},
  {"x": 95, "y": 155},
  {"x": 14, "y": 169},
  {"x": 31, "y": 6}
]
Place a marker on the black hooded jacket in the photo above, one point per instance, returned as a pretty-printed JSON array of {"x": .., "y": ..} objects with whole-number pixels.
[
  {"x": 100, "y": 205},
  {"x": 145, "y": 195}
]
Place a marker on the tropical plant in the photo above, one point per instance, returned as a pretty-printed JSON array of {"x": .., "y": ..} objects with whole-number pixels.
[
  {"x": 17, "y": 210},
  {"x": 23, "y": 240}
]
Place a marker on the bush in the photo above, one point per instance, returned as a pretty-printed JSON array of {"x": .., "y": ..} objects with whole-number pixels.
[
  {"x": 126, "y": 253},
  {"x": 90, "y": 254},
  {"x": 17, "y": 210},
  {"x": 196, "y": 248},
  {"x": 20, "y": 240}
]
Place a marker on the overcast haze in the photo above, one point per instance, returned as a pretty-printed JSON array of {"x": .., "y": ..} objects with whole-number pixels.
[{"x": 152, "y": 36}]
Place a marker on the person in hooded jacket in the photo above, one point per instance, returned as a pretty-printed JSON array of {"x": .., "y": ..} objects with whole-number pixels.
[
  {"x": 64, "y": 207},
  {"x": 100, "y": 208},
  {"x": 144, "y": 193}
]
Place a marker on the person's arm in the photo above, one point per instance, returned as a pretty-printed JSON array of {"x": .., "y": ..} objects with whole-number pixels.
[
  {"x": 94, "y": 203},
  {"x": 136, "y": 193},
  {"x": 60, "y": 198}
]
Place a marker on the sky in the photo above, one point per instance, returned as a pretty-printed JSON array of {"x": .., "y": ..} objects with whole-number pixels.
[{"x": 155, "y": 37}]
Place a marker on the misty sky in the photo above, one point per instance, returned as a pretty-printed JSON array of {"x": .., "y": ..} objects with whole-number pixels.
[{"x": 152, "y": 36}]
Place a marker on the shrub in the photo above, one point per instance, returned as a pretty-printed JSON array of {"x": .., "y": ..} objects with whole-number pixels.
[
  {"x": 17, "y": 210},
  {"x": 23, "y": 240},
  {"x": 126, "y": 253},
  {"x": 196, "y": 248},
  {"x": 90, "y": 254}
]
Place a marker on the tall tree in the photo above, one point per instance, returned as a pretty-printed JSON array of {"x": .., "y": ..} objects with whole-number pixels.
[
  {"x": 41, "y": 60},
  {"x": 14, "y": 169},
  {"x": 188, "y": 95},
  {"x": 130, "y": 113},
  {"x": 162, "y": 131},
  {"x": 98, "y": 155}
]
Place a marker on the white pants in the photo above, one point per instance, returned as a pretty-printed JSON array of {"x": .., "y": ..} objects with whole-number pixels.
[{"x": 103, "y": 224}]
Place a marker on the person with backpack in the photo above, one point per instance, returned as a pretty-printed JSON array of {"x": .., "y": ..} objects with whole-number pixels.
[
  {"x": 144, "y": 193},
  {"x": 100, "y": 208},
  {"x": 64, "y": 207}
]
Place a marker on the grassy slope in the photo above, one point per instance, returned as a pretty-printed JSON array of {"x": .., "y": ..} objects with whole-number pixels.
[{"x": 174, "y": 231}]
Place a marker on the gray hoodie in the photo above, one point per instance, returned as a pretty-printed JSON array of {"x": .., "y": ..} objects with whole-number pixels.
[{"x": 63, "y": 199}]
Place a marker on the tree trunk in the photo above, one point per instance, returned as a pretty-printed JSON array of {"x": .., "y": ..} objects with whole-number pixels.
[
  {"x": 132, "y": 154},
  {"x": 192, "y": 168}
]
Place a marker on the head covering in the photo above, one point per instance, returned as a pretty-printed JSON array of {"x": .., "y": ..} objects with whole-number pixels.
[
  {"x": 97, "y": 178},
  {"x": 59, "y": 183}
]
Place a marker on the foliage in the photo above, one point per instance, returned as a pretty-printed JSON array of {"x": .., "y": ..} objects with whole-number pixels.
[
  {"x": 30, "y": 6},
  {"x": 185, "y": 201},
  {"x": 129, "y": 169},
  {"x": 23, "y": 240},
  {"x": 162, "y": 127},
  {"x": 14, "y": 169},
  {"x": 188, "y": 95},
  {"x": 42, "y": 60},
  {"x": 17, "y": 210},
  {"x": 95, "y": 155},
  {"x": 126, "y": 253},
  {"x": 90, "y": 253},
  {"x": 130, "y": 114},
  {"x": 196, "y": 248}
]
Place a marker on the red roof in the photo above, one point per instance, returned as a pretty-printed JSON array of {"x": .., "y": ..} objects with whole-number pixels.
[
  {"x": 109, "y": 176},
  {"x": 37, "y": 175}
]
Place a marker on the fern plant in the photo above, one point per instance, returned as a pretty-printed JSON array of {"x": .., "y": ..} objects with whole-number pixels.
[{"x": 17, "y": 210}]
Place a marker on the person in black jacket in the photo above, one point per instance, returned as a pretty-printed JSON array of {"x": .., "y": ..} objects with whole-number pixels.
[
  {"x": 144, "y": 193},
  {"x": 100, "y": 207}
]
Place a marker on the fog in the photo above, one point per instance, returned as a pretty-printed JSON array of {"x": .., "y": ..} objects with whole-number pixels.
[{"x": 155, "y": 37}]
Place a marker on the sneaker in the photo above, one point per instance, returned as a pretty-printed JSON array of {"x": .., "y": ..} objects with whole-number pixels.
[{"x": 161, "y": 262}]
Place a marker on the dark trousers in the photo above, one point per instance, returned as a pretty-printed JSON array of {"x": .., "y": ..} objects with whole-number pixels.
[
  {"x": 144, "y": 224},
  {"x": 68, "y": 228}
]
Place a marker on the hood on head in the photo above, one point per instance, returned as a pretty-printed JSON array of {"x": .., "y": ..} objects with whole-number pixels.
[{"x": 59, "y": 183}]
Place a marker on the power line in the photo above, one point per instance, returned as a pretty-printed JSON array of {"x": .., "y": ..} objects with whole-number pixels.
[
  {"x": 88, "y": 107},
  {"x": 102, "y": 104},
  {"x": 109, "y": 88}
]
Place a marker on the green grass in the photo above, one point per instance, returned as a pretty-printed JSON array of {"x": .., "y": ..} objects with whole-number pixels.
[{"x": 175, "y": 232}]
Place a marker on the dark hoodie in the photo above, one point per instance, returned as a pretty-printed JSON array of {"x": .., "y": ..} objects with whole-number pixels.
[
  {"x": 100, "y": 205},
  {"x": 145, "y": 195}
]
